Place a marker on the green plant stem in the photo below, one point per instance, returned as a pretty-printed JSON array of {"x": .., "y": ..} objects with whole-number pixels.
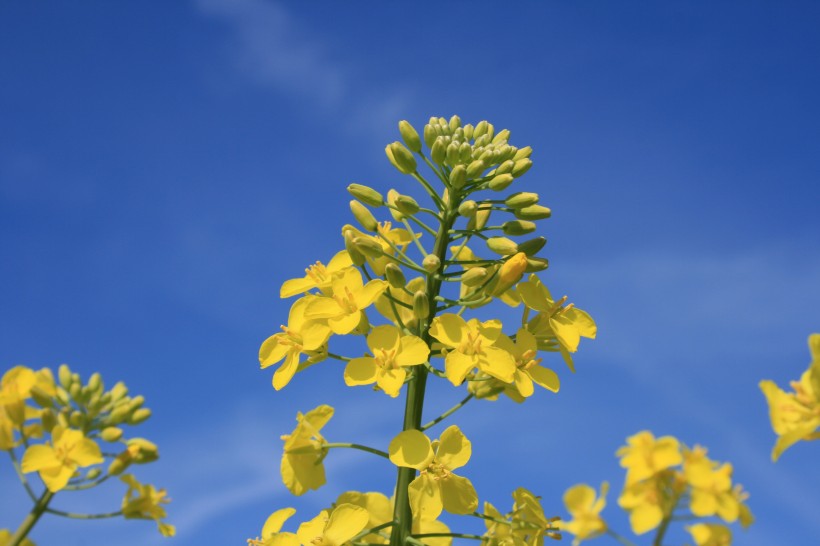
[
  {"x": 623, "y": 540},
  {"x": 20, "y": 475},
  {"x": 360, "y": 447},
  {"x": 83, "y": 516},
  {"x": 31, "y": 519},
  {"x": 454, "y": 535},
  {"x": 667, "y": 519},
  {"x": 447, "y": 413},
  {"x": 88, "y": 485}
]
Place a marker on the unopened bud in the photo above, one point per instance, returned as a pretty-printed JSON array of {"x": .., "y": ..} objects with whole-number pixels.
[
  {"x": 363, "y": 216},
  {"x": 439, "y": 151},
  {"x": 502, "y": 136},
  {"x": 95, "y": 382},
  {"x": 474, "y": 276},
  {"x": 40, "y": 396},
  {"x": 468, "y": 208},
  {"x": 533, "y": 212},
  {"x": 535, "y": 264},
  {"x": 510, "y": 273},
  {"x": 505, "y": 167},
  {"x": 458, "y": 177},
  {"x": 64, "y": 375},
  {"x": 480, "y": 129},
  {"x": 521, "y": 166},
  {"x": 532, "y": 246},
  {"x": 431, "y": 263},
  {"x": 395, "y": 276},
  {"x": 76, "y": 419},
  {"x": 452, "y": 155},
  {"x": 475, "y": 168},
  {"x": 139, "y": 416},
  {"x": 93, "y": 474},
  {"x": 468, "y": 131},
  {"x": 455, "y": 123},
  {"x": 521, "y": 199},
  {"x": 406, "y": 205},
  {"x": 355, "y": 255},
  {"x": 421, "y": 305},
  {"x": 392, "y": 195},
  {"x": 75, "y": 390},
  {"x": 401, "y": 157},
  {"x": 500, "y": 182},
  {"x": 429, "y": 135},
  {"x": 523, "y": 153},
  {"x": 517, "y": 227},
  {"x": 502, "y": 245},
  {"x": 465, "y": 153},
  {"x": 119, "y": 464},
  {"x": 410, "y": 136},
  {"x": 143, "y": 451},
  {"x": 48, "y": 419},
  {"x": 366, "y": 195},
  {"x": 111, "y": 434},
  {"x": 63, "y": 396},
  {"x": 479, "y": 219},
  {"x": 118, "y": 391},
  {"x": 368, "y": 247}
]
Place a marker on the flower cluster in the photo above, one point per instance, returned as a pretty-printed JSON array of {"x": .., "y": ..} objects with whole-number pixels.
[
  {"x": 59, "y": 425},
  {"x": 795, "y": 415}
]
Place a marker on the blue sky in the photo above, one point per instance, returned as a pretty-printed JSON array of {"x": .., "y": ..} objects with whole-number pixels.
[{"x": 165, "y": 166}]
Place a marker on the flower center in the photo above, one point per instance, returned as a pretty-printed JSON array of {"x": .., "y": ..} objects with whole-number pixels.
[
  {"x": 471, "y": 345},
  {"x": 347, "y": 301},
  {"x": 387, "y": 359}
]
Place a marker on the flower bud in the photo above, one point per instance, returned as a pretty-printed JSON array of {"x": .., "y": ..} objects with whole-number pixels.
[
  {"x": 363, "y": 216},
  {"x": 118, "y": 391},
  {"x": 64, "y": 375},
  {"x": 455, "y": 123},
  {"x": 368, "y": 247},
  {"x": 40, "y": 396},
  {"x": 480, "y": 129},
  {"x": 355, "y": 255},
  {"x": 502, "y": 245},
  {"x": 431, "y": 263},
  {"x": 48, "y": 419},
  {"x": 458, "y": 177},
  {"x": 505, "y": 167},
  {"x": 429, "y": 135},
  {"x": 468, "y": 131},
  {"x": 475, "y": 168},
  {"x": 474, "y": 276},
  {"x": 452, "y": 154},
  {"x": 410, "y": 136},
  {"x": 465, "y": 153},
  {"x": 479, "y": 219},
  {"x": 401, "y": 158},
  {"x": 439, "y": 151},
  {"x": 366, "y": 195},
  {"x": 139, "y": 416},
  {"x": 95, "y": 382},
  {"x": 468, "y": 208},
  {"x": 510, "y": 273},
  {"x": 500, "y": 182},
  {"x": 142, "y": 450},
  {"x": 533, "y": 212},
  {"x": 521, "y": 199},
  {"x": 394, "y": 275},
  {"x": 521, "y": 166},
  {"x": 406, "y": 205},
  {"x": 502, "y": 136},
  {"x": 76, "y": 419},
  {"x": 532, "y": 246},
  {"x": 535, "y": 264},
  {"x": 421, "y": 305},
  {"x": 119, "y": 464},
  {"x": 111, "y": 434},
  {"x": 93, "y": 474},
  {"x": 62, "y": 396},
  {"x": 392, "y": 195},
  {"x": 523, "y": 153},
  {"x": 75, "y": 390},
  {"x": 517, "y": 227}
]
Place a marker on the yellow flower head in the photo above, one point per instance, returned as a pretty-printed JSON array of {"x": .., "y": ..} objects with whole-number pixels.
[
  {"x": 387, "y": 238},
  {"x": 56, "y": 463},
  {"x": 7, "y": 428},
  {"x": 5, "y": 538},
  {"x": 644, "y": 456},
  {"x": 529, "y": 521},
  {"x": 710, "y": 534},
  {"x": 333, "y": 528},
  {"x": 647, "y": 501},
  {"x": 528, "y": 368},
  {"x": 436, "y": 487},
  {"x": 344, "y": 309},
  {"x": 271, "y": 531},
  {"x": 317, "y": 276},
  {"x": 16, "y": 386},
  {"x": 395, "y": 312},
  {"x": 144, "y": 501},
  {"x": 473, "y": 345},
  {"x": 379, "y": 510},
  {"x": 301, "y": 335},
  {"x": 302, "y": 468},
  {"x": 499, "y": 529},
  {"x": 585, "y": 509},
  {"x": 392, "y": 352}
]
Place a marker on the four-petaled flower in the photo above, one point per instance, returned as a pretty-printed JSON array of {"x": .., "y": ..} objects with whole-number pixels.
[
  {"x": 144, "y": 501},
  {"x": 56, "y": 463},
  {"x": 528, "y": 368},
  {"x": 585, "y": 509},
  {"x": 644, "y": 456},
  {"x": 272, "y": 534},
  {"x": 333, "y": 528},
  {"x": 392, "y": 352},
  {"x": 318, "y": 276},
  {"x": 344, "y": 309},
  {"x": 302, "y": 468}
]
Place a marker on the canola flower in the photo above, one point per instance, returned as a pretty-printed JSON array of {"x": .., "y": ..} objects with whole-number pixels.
[{"x": 585, "y": 507}]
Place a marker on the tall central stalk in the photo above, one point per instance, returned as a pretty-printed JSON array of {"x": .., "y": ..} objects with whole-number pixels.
[{"x": 414, "y": 403}]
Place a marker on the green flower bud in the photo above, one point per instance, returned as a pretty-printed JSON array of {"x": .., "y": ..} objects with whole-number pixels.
[
  {"x": 505, "y": 167},
  {"x": 502, "y": 245},
  {"x": 431, "y": 263},
  {"x": 407, "y": 205},
  {"x": 533, "y": 212},
  {"x": 355, "y": 255},
  {"x": 401, "y": 157},
  {"x": 136, "y": 402},
  {"x": 410, "y": 136},
  {"x": 366, "y": 195},
  {"x": 421, "y": 305},
  {"x": 532, "y": 246},
  {"x": 119, "y": 464},
  {"x": 458, "y": 177},
  {"x": 395, "y": 276},
  {"x": 439, "y": 151},
  {"x": 368, "y": 247},
  {"x": 500, "y": 182},
  {"x": 479, "y": 219},
  {"x": 521, "y": 166},
  {"x": 521, "y": 199},
  {"x": 119, "y": 414},
  {"x": 95, "y": 382},
  {"x": 93, "y": 474},
  {"x": 430, "y": 135},
  {"x": 468, "y": 132},
  {"x": 146, "y": 451},
  {"x": 452, "y": 154},
  {"x": 535, "y": 264},
  {"x": 118, "y": 391},
  {"x": 111, "y": 434},
  {"x": 517, "y": 227},
  {"x": 48, "y": 419},
  {"x": 480, "y": 129},
  {"x": 62, "y": 396},
  {"x": 474, "y": 276},
  {"x": 522, "y": 153},
  {"x": 64, "y": 374},
  {"x": 139, "y": 416},
  {"x": 490, "y": 131},
  {"x": 392, "y": 195},
  {"x": 468, "y": 209},
  {"x": 76, "y": 419},
  {"x": 364, "y": 216},
  {"x": 40, "y": 396},
  {"x": 475, "y": 168},
  {"x": 455, "y": 123},
  {"x": 502, "y": 136},
  {"x": 75, "y": 390}
]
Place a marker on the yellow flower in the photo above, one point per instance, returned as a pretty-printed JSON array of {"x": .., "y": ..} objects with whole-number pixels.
[
  {"x": 396, "y": 313},
  {"x": 585, "y": 510},
  {"x": 529, "y": 522},
  {"x": 302, "y": 468},
  {"x": 649, "y": 500},
  {"x": 392, "y": 352},
  {"x": 7, "y": 428},
  {"x": 499, "y": 529},
  {"x": 344, "y": 310},
  {"x": 555, "y": 321},
  {"x": 436, "y": 487},
  {"x": 57, "y": 462},
  {"x": 528, "y": 369},
  {"x": 144, "y": 501},
  {"x": 317, "y": 276},
  {"x": 16, "y": 387},
  {"x": 333, "y": 528},
  {"x": 271, "y": 531},
  {"x": 644, "y": 456},
  {"x": 473, "y": 345},
  {"x": 5, "y": 538},
  {"x": 379, "y": 510},
  {"x": 710, "y": 534},
  {"x": 500, "y": 280},
  {"x": 796, "y": 416},
  {"x": 711, "y": 483},
  {"x": 301, "y": 335},
  {"x": 400, "y": 238}
]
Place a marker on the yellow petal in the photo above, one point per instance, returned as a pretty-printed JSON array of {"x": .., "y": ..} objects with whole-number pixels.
[
  {"x": 566, "y": 332},
  {"x": 413, "y": 351},
  {"x": 57, "y": 477},
  {"x": 583, "y": 322},
  {"x": 361, "y": 371},
  {"x": 318, "y": 416},
  {"x": 454, "y": 449},
  {"x": 545, "y": 377},
  {"x": 39, "y": 457},
  {"x": 458, "y": 495},
  {"x": 86, "y": 452},
  {"x": 579, "y": 499},
  {"x": 345, "y": 323},
  {"x": 368, "y": 294},
  {"x": 425, "y": 498},
  {"x": 275, "y": 521},
  {"x": 322, "y": 308},
  {"x": 314, "y": 334},
  {"x": 293, "y": 287},
  {"x": 346, "y": 521},
  {"x": 457, "y": 365},
  {"x": 498, "y": 363},
  {"x": 535, "y": 295},
  {"x": 286, "y": 371},
  {"x": 272, "y": 351},
  {"x": 386, "y": 338},
  {"x": 449, "y": 329},
  {"x": 339, "y": 261},
  {"x": 300, "y": 473},
  {"x": 313, "y": 529},
  {"x": 644, "y": 518},
  {"x": 390, "y": 381},
  {"x": 523, "y": 383},
  {"x": 412, "y": 449}
]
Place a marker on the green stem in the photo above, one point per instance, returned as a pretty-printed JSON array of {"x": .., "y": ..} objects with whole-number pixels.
[
  {"x": 667, "y": 519},
  {"x": 623, "y": 540},
  {"x": 88, "y": 485},
  {"x": 415, "y": 239},
  {"x": 25, "y": 527},
  {"x": 447, "y": 413},
  {"x": 360, "y": 447},
  {"x": 454, "y": 535},
  {"x": 83, "y": 516},
  {"x": 439, "y": 203},
  {"x": 22, "y": 476}
]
